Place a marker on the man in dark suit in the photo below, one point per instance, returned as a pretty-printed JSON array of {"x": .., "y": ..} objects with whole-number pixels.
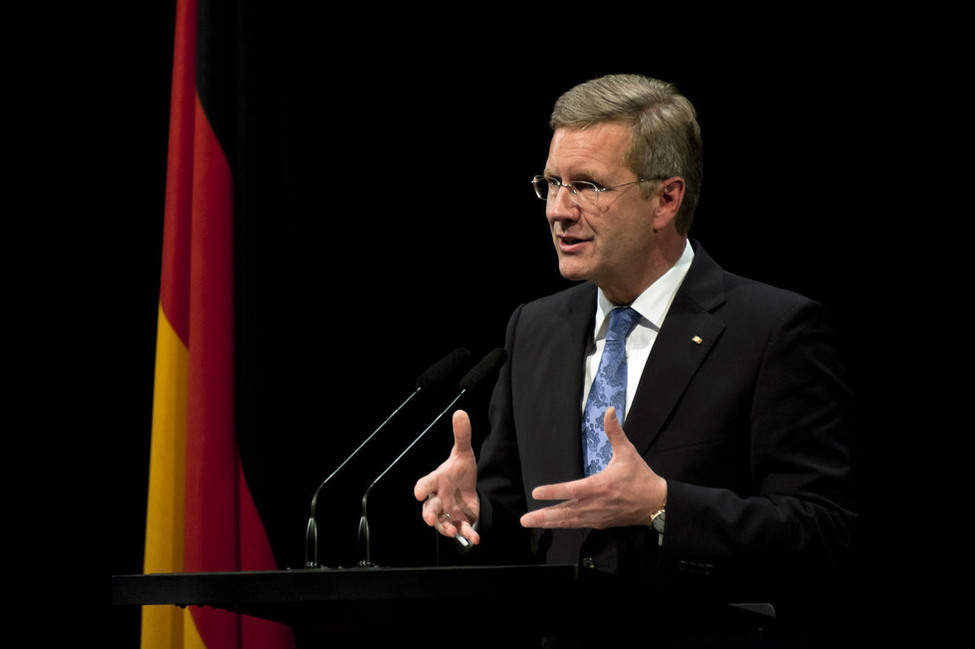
[{"x": 729, "y": 476}]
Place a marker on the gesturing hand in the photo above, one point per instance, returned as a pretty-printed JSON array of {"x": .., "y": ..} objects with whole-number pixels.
[
  {"x": 627, "y": 492},
  {"x": 449, "y": 493}
]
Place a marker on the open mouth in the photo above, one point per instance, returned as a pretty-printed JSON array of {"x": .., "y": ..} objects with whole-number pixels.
[{"x": 568, "y": 241}]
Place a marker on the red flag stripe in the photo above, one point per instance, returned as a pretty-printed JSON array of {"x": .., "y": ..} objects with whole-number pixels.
[
  {"x": 174, "y": 284},
  {"x": 211, "y": 452}
]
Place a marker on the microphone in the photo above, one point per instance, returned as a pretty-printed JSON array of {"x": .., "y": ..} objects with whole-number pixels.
[
  {"x": 439, "y": 374},
  {"x": 486, "y": 370}
]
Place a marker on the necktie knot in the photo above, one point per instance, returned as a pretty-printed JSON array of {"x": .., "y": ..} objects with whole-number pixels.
[{"x": 621, "y": 323}]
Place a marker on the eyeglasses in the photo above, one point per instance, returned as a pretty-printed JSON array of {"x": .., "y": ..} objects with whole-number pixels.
[{"x": 582, "y": 192}]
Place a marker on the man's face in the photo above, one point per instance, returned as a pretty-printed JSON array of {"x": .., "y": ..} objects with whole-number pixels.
[{"x": 609, "y": 243}]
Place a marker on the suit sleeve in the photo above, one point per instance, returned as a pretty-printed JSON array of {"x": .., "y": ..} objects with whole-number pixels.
[{"x": 794, "y": 522}]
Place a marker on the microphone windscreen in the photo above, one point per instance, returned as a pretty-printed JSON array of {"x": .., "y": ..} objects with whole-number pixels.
[
  {"x": 446, "y": 369},
  {"x": 486, "y": 370}
]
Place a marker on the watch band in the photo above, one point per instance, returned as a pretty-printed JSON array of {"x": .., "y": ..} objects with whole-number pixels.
[{"x": 657, "y": 520}]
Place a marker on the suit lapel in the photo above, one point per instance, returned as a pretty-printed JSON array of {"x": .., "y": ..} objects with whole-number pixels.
[
  {"x": 564, "y": 379},
  {"x": 688, "y": 334},
  {"x": 553, "y": 392},
  {"x": 560, "y": 437}
]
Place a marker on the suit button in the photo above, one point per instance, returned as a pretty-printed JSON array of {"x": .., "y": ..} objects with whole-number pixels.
[{"x": 587, "y": 562}]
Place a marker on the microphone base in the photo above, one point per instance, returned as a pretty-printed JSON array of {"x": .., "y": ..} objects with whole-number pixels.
[
  {"x": 367, "y": 564},
  {"x": 317, "y": 566}
]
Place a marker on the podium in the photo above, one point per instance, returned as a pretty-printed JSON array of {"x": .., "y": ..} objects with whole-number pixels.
[{"x": 491, "y": 603}]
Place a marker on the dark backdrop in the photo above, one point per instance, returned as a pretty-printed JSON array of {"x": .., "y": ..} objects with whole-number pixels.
[{"x": 386, "y": 219}]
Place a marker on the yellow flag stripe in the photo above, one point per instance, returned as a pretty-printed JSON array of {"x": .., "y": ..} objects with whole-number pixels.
[{"x": 163, "y": 626}]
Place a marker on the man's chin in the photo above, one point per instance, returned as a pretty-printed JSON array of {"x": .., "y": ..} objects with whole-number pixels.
[{"x": 572, "y": 272}]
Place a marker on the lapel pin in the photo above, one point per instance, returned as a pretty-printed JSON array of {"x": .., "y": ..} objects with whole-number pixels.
[{"x": 697, "y": 339}]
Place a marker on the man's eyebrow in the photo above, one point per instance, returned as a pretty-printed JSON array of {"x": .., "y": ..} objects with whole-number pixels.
[{"x": 578, "y": 175}]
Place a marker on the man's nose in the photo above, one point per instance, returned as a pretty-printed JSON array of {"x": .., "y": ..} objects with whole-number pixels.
[{"x": 561, "y": 207}]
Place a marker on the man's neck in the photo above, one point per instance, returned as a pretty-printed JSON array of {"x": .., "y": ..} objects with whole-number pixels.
[{"x": 661, "y": 261}]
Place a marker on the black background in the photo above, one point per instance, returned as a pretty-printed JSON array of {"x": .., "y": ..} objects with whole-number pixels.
[{"x": 388, "y": 219}]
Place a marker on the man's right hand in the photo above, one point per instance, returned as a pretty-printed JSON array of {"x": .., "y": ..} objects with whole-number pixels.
[{"x": 449, "y": 493}]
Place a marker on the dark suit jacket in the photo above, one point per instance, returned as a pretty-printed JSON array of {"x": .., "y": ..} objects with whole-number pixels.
[{"x": 742, "y": 408}]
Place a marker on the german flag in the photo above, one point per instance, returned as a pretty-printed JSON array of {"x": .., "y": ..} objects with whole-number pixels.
[{"x": 200, "y": 514}]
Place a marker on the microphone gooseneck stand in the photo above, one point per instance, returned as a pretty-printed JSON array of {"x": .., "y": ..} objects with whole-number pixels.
[
  {"x": 486, "y": 369},
  {"x": 441, "y": 372}
]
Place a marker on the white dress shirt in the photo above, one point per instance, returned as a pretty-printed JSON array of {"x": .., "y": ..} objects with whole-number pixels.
[{"x": 652, "y": 305}]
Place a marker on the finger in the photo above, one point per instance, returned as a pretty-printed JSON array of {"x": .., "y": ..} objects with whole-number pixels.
[
  {"x": 425, "y": 487},
  {"x": 614, "y": 431},
  {"x": 459, "y": 528},
  {"x": 561, "y": 515},
  {"x": 432, "y": 511},
  {"x": 562, "y": 490},
  {"x": 462, "y": 430},
  {"x": 468, "y": 532},
  {"x": 422, "y": 488},
  {"x": 445, "y": 524}
]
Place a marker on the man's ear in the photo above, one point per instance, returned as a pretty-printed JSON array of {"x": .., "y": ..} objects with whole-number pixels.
[{"x": 670, "y": 195}]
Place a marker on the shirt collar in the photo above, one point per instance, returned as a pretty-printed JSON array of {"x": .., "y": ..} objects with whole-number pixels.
[{"x": 655, "y": 301}]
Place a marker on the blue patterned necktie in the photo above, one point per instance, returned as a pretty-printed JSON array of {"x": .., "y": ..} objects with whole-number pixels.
[{"x": 608, "y": 389}]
